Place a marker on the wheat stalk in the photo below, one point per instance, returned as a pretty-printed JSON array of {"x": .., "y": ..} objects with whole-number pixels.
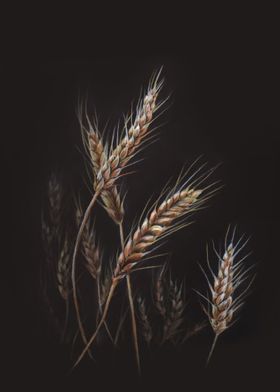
[
  {"x": 160, "y": 223},
  {"x": 224, "y": 302}
]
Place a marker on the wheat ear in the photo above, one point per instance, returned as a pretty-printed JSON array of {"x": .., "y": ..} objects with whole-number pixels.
[
  {"x": 98, "y": 156},
  {"x": 160, "y": 223},
  {"x": 224, "y": 303},
  {"x": 146, "y": 325},
  {"x": 111, "y": 170},
  {"x": 173, "y": 319},
  {"x": 131, "y": 142},
  {"x": 55, "y": 195}
]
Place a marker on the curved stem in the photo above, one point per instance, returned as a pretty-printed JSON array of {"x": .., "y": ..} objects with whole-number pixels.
[
  {"x": 73, "y": 273},
  {"x": 133, "y": 322},
  {"x": 109, "y": 298},
  {"x": 132, "y": 309}
]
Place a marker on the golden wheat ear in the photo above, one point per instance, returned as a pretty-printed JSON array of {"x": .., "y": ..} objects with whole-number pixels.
[
  {"x": 97, "y": 154},
  {"x": 228, "y": 286}
]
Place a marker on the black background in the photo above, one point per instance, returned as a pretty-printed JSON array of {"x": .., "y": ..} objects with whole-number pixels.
[{"x": 225, "y": 105}]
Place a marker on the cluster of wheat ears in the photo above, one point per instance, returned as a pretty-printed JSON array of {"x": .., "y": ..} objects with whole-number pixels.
[{"x": 66, "y": 256}]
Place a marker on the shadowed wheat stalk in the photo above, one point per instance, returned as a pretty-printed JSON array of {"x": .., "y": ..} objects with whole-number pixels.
[{"x": 224, "y": 302}]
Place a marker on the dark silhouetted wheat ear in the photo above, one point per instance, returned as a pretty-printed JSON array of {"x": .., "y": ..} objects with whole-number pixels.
[
  {"x": 147, "y": 331},
  {"x": 174, "y": 317}
]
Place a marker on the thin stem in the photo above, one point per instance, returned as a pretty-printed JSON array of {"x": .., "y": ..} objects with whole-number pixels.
[
  {"x": 73, "y": 274},
  {"x": 121, "y": 234},
  {"x": 212, "y": 348},
  {"x": 119, "y": 328},
  {"x": 132, "y": 309},
  {"x": 133, "y": 322},
  {"x": 109, "y": 298}
]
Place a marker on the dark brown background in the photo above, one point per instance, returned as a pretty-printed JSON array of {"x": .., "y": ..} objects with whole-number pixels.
[{"x": 224, "y": 105}]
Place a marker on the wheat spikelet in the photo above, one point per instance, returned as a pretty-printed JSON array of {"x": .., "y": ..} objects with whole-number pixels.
[
  {"x": 63, "y": 270},
  {"x": 223, "y": 302},
  {"x": 146, "y": 325}
]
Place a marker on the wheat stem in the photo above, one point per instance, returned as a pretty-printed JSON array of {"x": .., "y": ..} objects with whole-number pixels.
[
  {"x": 212, "y": 348},
  {"x": 131, "y": 306},
  {"x": 103, "y": 318}
]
